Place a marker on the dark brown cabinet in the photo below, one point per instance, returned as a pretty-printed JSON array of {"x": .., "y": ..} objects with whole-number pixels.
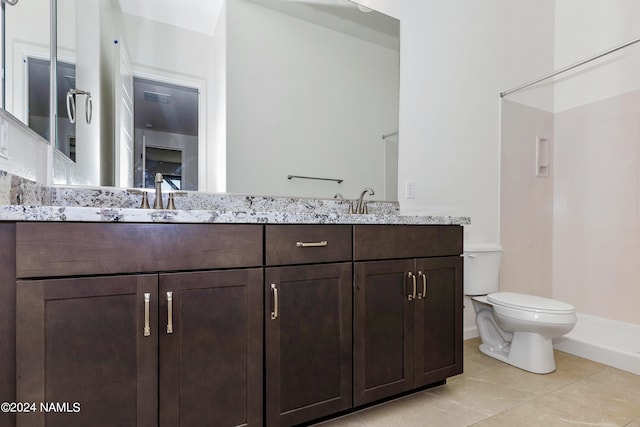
[
  {"x": 224, "y": 324},
  {"x": 407, "y": 312},
  {"x": 210, "y": 339},
  {"x": 438, "y": 320},
  {"x": 166, "y": 349},
  {"x": 82, "y": 342},
  {"x": 384, "y": 327},
  {"x": 308, "y": 331}
]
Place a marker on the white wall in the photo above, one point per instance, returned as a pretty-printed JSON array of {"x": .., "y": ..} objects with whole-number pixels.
[
  {"x": 599, "y": 26},
  {"x": 216, "y": 156},
  {"x": 456, "y": 56},
  {"x": 305, "y": 100},
  {"x": 88, "y": 165},
  {"x": 22, "y": 151}
]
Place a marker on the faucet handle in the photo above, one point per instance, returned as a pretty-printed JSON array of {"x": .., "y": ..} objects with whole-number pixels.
[
  {"x": 144, "y": 204},
  {"x": 171, "y": 202}
]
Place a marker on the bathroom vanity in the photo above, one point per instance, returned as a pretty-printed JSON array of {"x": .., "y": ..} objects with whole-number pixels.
[{"x": 275, "y": 322}]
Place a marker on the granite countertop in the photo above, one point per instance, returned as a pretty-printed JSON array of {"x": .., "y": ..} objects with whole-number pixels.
[
  {"x": 96, "y": 214},
  {"x": 23, "y": 200}
]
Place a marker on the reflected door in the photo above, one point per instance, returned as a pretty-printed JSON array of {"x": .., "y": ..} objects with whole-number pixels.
[{"x": 166, "y": 134}]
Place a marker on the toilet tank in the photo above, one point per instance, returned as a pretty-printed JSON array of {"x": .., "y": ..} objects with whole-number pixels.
[{"x": 481, "y": 268}]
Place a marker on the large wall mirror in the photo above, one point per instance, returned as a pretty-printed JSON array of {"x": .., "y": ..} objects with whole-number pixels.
[{"x": 241, "y": 96}]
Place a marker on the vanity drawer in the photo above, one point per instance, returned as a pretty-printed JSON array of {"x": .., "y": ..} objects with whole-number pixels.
[
  {"x": 372, "y": 242},
  {"x": 307, "y": 244},
  {"x": 70, "y": 249}
]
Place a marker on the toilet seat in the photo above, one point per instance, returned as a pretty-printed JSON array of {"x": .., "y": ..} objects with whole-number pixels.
[{"x": 531, "y": 303}]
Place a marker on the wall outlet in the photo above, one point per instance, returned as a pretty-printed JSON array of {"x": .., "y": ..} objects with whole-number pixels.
[{"x": 409, "y": 190}]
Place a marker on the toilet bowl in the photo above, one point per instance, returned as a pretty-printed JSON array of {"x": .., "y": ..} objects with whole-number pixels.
[{"x": 515, "y": 328}]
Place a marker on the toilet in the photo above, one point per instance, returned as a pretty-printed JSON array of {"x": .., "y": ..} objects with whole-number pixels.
[{"x": 515, "y": 328}]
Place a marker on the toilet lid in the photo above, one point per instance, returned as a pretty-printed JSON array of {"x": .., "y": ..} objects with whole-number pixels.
[{"x": 529, "y": 302}]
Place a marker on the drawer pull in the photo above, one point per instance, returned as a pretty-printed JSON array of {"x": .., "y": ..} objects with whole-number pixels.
[
  {"x": 424, "y": 285},
  {"x": 147, "y": 328},
  {"x": 412, "y": 296},
  {"x": 320, "y": 244},
  {"x": 274, "y": 292},
  {"x": 169, "y": 312}
]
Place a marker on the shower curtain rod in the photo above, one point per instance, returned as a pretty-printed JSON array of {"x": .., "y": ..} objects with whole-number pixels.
[{"x": 569, "y": 67}]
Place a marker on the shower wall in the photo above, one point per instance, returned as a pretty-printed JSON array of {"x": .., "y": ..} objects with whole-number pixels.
[
  {"x": 526, "y": 214},
  {"x": 596, "y": 248},
  {"x": 574, "y": 236}
]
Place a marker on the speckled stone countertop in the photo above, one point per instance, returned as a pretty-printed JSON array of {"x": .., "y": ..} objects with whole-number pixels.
[{"x": 23, "y": 200}]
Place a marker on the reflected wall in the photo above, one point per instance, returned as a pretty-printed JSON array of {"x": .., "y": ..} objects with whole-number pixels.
[{"x": 307, "y": 100}]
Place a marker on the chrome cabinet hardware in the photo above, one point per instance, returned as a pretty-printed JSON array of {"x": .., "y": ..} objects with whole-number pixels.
[
  {"x": 412, "y": 295},
  {"x": 147, "y": 328},
  {"x": 423, "y": 294},
  {"x": 274, "y": 293},
  {"x": 169, "y": 312},
  {"x": 319, "y": 244}
]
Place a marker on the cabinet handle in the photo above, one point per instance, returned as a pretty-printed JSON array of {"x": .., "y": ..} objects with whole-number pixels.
[
  {"x": 424, "y": 285},
  {"x": 412, "y": 296},
  {"x": 169, "y": 312},
  {"x": 274, "y": 291},
  {"x": 147, "y": 328},
  {"x": 319, "y": 244}
]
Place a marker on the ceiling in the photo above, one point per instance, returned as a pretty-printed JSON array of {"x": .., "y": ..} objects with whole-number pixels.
[
  {"x": 339, "y": 15},
  {"x": 196, "y": 15}
]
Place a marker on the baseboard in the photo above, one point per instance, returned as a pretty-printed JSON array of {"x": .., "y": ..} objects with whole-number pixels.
[
  {"x": 470, "y": 333},
  {"x": 606, "y": 341}
]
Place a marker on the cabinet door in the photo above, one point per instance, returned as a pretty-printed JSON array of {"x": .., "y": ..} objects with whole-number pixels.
[
  {"x": 85, "y": 340},
  {"x": 383, "y": 330},
  {"x": 438, "y": 319},
  {"x": 211, "y": 350},
  {"x": 308, "y": 342}
]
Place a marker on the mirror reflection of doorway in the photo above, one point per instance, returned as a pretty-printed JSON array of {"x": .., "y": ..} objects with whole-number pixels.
[
  {"x": 166, "y": 134},
  {"x": 168, "y": 163},
  {"x": 38, "y": 92}
]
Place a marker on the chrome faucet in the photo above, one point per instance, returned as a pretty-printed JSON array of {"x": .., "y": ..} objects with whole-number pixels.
[
  {"x": 361, "y": 206},
  {"x": 157, "y": 203}
]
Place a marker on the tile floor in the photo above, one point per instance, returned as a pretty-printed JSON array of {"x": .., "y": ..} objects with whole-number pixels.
[{"x": 491, "y": 393}]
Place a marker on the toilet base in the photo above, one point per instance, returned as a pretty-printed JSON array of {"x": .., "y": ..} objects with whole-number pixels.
[{"x": 529, "y": 351}]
